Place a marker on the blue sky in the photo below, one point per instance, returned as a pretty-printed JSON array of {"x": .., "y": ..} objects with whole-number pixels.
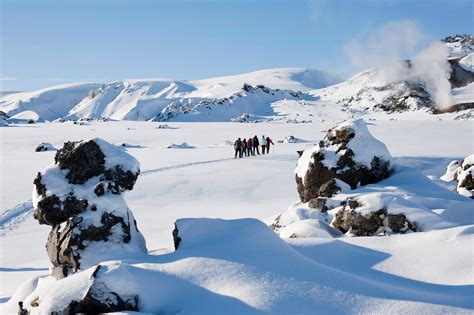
[{"x": 45, "y": 43}]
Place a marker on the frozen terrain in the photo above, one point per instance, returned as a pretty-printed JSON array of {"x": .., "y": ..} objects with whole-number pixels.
[
  {"x": 242, "y": 266},
  {"x": 248, "y": 245}
]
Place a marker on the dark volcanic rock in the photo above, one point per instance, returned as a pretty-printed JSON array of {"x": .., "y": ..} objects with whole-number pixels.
[
  {"x": 350, "y": 219},
  {"x": 84, "y": 160},
  {"x": 329, "y": 188},
  {"x": 348, "y": 153},
  {"x": 52, "y": 211},
  {"x": 99, "y": 189},
  {"x": 399, "y": 223},
  {"x": 358, "y": 224},
  {"x": 318, "y": 203},
  {"x": 120, "y": 180}
]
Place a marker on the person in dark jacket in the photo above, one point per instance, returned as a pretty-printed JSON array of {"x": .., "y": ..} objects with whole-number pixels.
[
  {"x": 255, "y": 144},
  {"x": 249, "y": 147},
  {"x": 269, "y": 141},
  {"x": 244, "y": 147},
  {"x": 238, "y": 148}
]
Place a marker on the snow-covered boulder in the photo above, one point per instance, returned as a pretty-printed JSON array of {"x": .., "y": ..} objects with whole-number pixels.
[
  {"x": 291, "y": 139},
  {"x": 80, "y": 197},
  {"x": 299, "y": 221},
  {"x": 463, "y": 174},
  {"x": 465, "y": 177},
  {"x": 44, "y": 146},
  {"x": 451, "y": 171},
  {"x": 348, "y": 156},
  {"x": 183, "y": 145},
  {"x": 368, "y": 215},
  {"x": 165, "y": 126}
]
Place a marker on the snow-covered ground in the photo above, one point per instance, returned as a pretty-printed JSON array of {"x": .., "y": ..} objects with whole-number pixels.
[{"x": 424, "y": 272}]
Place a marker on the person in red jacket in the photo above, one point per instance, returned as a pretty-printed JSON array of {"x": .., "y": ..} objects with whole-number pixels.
[
  {"x": 244, "y": 147},
  {"x": 269, "y": 141},
  {"x": 249, "y": 146}
]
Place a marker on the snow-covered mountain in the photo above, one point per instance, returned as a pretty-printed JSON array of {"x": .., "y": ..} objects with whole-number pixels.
[
  {"x": 442, "y": 73},
  {"x": 147, "y": 99}
]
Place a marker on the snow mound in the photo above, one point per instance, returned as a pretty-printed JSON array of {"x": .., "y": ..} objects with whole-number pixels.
[
  {"x": 230, "y": 266},
  {"x": 299, "y": 221},
  {"x": 451, "y": 170},
  {"x": 245, "y": 248},
  {"x": 183, "y": 145}
]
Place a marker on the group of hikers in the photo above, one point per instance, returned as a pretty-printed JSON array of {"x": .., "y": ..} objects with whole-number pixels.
[{"x": 250, "y": 146}]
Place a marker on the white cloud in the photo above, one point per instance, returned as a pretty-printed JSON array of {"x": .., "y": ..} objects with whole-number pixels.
[{"x": 7, "y": 79}]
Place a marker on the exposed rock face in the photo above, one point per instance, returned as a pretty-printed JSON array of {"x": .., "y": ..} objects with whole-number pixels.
[
  {"x": 463, "y": 174},
  {"x": 406, "y": 96},
  {"x": 176, "y": 237},
  {"x": 80, "y": 197},
  {"x": 348, "y": 156},
  {"x": 356, "y": 221},
  {"x": 4, "y": 119},
  {"x": 459, "y": 76},
  {"x": 318, "y": 203}
]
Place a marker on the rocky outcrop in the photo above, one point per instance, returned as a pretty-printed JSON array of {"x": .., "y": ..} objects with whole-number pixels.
[
  {"x": 347, "y": 157},
  {"x": 80, "y": 196},
  {"x": 359, "y": 219}
]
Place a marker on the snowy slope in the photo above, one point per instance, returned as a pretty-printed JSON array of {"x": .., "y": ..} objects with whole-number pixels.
[
  {"x": 145, "y": 99},
  {"x": 49, "y": 103}
]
